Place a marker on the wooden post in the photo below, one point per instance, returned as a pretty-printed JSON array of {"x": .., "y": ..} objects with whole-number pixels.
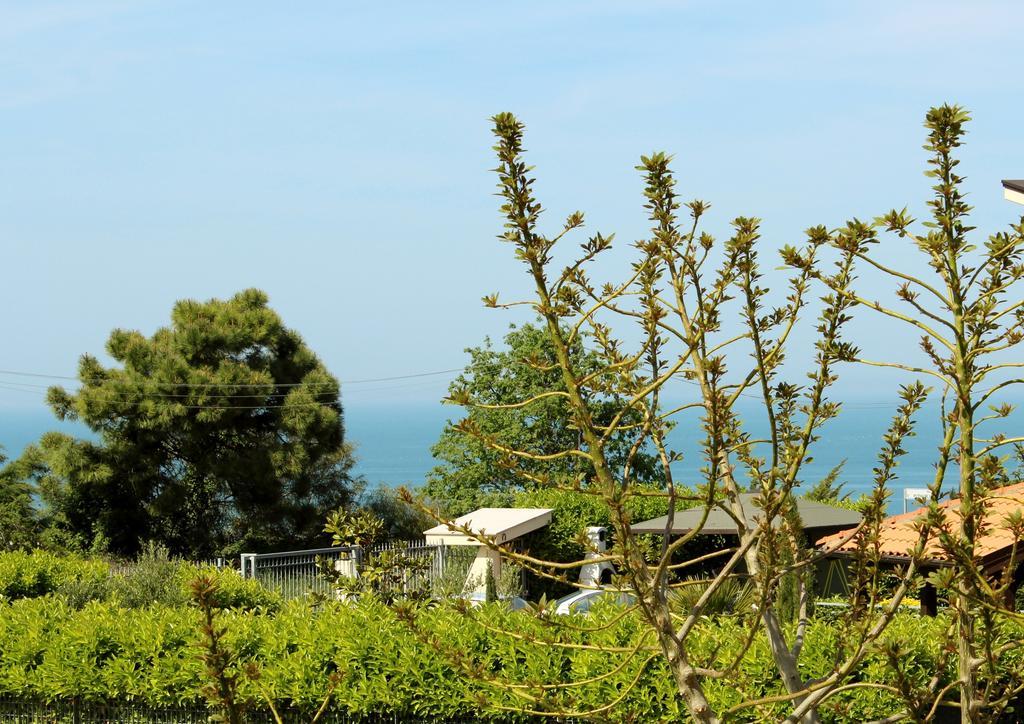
[{"x": 929, "y": 600}]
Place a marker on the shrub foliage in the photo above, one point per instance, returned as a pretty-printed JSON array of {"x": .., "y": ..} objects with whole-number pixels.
[{"x": 105, "y": 651}]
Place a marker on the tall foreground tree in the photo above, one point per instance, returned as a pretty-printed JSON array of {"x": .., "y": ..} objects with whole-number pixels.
[
  {"x": 474, "y": 473},
  {"x": 968, "y": 315},
  {"x": 684, "y": 292},
  {"x": 222, "y": 432}
]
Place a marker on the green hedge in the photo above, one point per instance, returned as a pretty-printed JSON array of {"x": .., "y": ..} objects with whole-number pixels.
[
  {"x": 105, "y": 652},
  {"x": 72, "y": 630},
  {"x": 26, "y": 575},
  {"x": 152, "y": 579}
]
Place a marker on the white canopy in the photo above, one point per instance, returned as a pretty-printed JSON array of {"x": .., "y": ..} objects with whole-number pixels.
[{"x": 501, "y": 524}]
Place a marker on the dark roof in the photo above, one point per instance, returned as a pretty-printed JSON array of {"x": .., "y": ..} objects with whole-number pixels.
[
  {"x": 813, "y": 514},
  {"x": 1014, "y": 185}
]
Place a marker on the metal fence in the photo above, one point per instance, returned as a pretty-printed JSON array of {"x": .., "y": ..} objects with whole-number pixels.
[
  {"x": 434, "y": 556},
  {"x": 295, "y": 573},
  {"x": 74, "y": 711},
  {"x": 122, "y": 567}
]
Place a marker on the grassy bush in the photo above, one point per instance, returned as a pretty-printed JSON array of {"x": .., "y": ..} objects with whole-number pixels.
[
  {"x": 233, "y": 591},
  {"x": 153, "y": 579},
  {"x": 68, "y": 628},
  {"x": 734, "y": 596}
]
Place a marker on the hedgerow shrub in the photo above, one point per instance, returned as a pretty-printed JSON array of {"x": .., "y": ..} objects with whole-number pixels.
[
  {"x": 105, "y": 651},
  {"x": 100, "y": 652},
  {"x": 233, "y": 591},
  {"x": 153, "y": 579},
  {"x": 29, "y": 574}
]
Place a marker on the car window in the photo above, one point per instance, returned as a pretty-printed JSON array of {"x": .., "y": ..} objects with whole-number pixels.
[
  {"x": 566, "y": 599},
  {"x": 587, "y": 602},
  {"x": 583, "y": 605}
]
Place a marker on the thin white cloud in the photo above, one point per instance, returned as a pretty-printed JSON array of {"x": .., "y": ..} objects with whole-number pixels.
[
  {"x": 867, "y": 39},
  {"x": 23, "y": 19}
]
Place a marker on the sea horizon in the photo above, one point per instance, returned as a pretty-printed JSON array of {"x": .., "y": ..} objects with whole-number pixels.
[{"x": 392, "y": 442}]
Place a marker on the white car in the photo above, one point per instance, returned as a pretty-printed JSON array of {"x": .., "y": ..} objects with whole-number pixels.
[
  {"x": 581, "y": 601},
  {"x": 514, "y": 602}
]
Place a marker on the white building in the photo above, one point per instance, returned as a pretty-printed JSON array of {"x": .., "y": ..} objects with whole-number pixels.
[{"x": 498, "y": 526}]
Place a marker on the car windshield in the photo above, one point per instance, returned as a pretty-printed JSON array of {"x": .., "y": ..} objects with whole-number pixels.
[
  {"x": 583, "y": 604},
  {"x": 581, "y": 601},
  {"x": 566, "y": 599}
]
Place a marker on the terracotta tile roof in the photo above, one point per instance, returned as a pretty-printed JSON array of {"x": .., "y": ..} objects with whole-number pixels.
[{"x": 897, "y": 535}]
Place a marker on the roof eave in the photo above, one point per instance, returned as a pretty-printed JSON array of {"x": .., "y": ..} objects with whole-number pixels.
[
  {"x": 1013, "y": 191},
  {"x": 896, "y": 560}
]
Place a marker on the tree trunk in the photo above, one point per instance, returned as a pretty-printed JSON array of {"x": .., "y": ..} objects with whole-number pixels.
[
  {"x": 969, "y": 705},
  {"x": 682, "y": 671},
  {"x": 785, "y": 661}
]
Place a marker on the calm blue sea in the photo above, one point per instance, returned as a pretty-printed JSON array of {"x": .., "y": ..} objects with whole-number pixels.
[{"x": 393, "y": 442}]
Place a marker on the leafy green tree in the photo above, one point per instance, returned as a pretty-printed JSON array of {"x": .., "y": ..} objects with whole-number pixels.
[
  {"x": 19, "y": 524},
  {"x": 401, "y": 521},
  {"x": 221, "y": 432},
  {"x": 474, "y": 471},
  {"x": 84, "y": 506}
]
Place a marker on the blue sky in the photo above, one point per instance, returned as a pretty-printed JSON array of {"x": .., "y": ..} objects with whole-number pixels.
[{"x": 337, "y": 154}]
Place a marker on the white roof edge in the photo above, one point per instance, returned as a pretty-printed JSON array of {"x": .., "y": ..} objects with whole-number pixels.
[{"x": 502, "y": 524}]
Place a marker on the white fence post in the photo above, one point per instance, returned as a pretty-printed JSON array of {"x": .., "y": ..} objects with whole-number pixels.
[{"x": 248, "y": 565}]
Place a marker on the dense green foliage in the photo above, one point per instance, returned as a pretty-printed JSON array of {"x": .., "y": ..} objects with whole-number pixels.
[
  {"x": 472, "y": 473},
  {"x": 28, "y": 575},
  {"x": 105, "y": 651},
  {"x": 401, "y": 521},
  {"x": 222, "y": 432},
  {"x": 573, "y": 512}
]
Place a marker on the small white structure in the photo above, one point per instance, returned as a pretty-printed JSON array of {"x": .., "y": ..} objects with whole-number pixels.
[
  {"x": 598, "y": 573},
  {"x": 500, "y": 525},
  {"x": 917, "y": 496}
]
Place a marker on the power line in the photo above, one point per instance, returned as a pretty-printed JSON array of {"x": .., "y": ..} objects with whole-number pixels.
[
  {"x": 41, "y": 375},
  {"x": 144, "y": 395},
  {"x": 420, "y": 384},
  {"x": 15, "y": 389},
  {"x": 211, "y": 400},
  {"x": 140, "y": 399},
  {"x": 203, "y": 395},
  {"x": 404, "y": 377},
  {"x": 29, "y": 387}
]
